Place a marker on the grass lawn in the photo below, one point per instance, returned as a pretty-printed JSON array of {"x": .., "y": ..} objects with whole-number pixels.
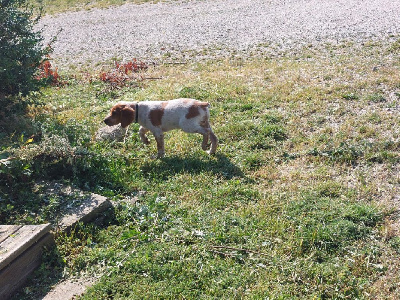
[{"x": 298, "y": 202}]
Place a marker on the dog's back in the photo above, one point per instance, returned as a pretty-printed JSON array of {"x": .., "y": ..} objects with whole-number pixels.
[{"x": 185, "y": 114}]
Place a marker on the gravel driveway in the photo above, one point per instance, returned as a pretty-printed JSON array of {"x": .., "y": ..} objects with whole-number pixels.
[{"x": 182, "y": 29}]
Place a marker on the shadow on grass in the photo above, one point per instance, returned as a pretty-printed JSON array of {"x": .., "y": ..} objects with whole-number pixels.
[
  {"x": 218, "y": 165},
  {"x": 13, "y": 119}
]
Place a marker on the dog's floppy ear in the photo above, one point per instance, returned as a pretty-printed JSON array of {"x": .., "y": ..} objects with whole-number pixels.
[{"x": 127, "y": 116}]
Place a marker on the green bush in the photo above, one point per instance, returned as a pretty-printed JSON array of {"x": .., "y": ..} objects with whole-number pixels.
[{"x": 20, "y": 48}]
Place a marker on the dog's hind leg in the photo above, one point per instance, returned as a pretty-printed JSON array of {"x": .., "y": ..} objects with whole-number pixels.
[
  {"x": 214, "y": 142},
  {"x": 204, "y": 144},
  {"x": 208, "y": 134},
  {"x": 159, "y": 136}
]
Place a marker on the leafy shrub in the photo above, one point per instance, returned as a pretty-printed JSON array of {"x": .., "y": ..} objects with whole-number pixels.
[{"x": 20, "y": 48}]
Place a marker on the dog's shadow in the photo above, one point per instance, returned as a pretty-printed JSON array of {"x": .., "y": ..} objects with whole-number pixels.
[{"x": 217, "y": 164}]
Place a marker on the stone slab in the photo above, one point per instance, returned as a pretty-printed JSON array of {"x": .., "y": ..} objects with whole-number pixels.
[{"x": 92, "y": 207}]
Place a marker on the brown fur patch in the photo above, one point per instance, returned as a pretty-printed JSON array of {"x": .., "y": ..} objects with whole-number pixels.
[
  {"x": 194, "y": 110},
  {"x": 156, "y": 115},
  {"x": 117, "y": 108},
  {"x": 204, "y": 122},
  {"x": 114, "y": 117},
  {"x": 127, "y": 116},
  {"x": 203, "y": 105}
]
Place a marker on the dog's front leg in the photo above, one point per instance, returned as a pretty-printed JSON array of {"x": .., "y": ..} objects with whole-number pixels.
[
  {"x": 142, "y": 134},
  {"x": 124, "y": 132}
]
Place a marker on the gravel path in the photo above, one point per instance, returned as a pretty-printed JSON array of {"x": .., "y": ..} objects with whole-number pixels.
[{"x": 177, "y": 28}]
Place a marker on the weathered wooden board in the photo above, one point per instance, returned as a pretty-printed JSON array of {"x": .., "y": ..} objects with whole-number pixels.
[
  {"x": 16, "y": 239},
  {"x": 20, "y": 253},
  {"x": 7, "y": 230}
]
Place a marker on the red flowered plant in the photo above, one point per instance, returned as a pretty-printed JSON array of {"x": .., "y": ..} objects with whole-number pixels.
[
  {"x": 123, "y": 73},
  {"x": 131, "y": 66},
  {"x": 47, "y": 74}
]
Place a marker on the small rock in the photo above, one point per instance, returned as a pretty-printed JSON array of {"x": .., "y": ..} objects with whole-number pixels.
[
  {"x": 111, "y": 133},
  {"x": 91, "y": 208}
]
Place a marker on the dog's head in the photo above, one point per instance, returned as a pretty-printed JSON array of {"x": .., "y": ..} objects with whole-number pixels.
[{"x": 120, "y": 113}]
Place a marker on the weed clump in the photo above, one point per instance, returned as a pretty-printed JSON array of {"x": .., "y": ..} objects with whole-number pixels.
[
  {"x": 123, "y": 73},
  {"x": 47, "y": 74}
]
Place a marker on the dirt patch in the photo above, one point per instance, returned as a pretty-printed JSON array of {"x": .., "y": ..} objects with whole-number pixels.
[{"x": 70, "y": 288}]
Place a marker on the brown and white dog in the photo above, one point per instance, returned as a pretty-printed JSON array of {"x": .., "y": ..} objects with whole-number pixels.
[{"x": 190, "y": 115}]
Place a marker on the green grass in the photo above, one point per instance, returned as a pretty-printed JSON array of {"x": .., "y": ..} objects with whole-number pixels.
[{"x": 297, "y": 203}]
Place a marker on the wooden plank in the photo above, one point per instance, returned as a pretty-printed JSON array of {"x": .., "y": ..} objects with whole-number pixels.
[
  {"x": 7, "y": 230},
  {"x": 16, "y": 243},
  {"x": 14, "y": 275}
]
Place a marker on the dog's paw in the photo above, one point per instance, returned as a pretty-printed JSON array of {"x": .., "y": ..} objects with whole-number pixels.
[
  {"x": 205, "y": 146},
  {"x": 160, "y": 155},
  {"x": 210, "y": 152}
]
